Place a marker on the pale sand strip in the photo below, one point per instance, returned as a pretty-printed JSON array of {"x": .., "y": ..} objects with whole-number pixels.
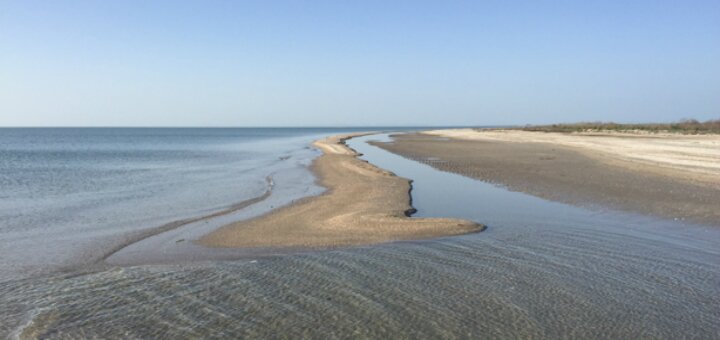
[
  {"x": 690, "y": 157},
  {"x": 363, "y": 205}
]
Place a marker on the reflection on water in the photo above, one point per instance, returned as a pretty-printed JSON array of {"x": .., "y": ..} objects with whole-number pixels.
[{"x": 542, "y": 270}]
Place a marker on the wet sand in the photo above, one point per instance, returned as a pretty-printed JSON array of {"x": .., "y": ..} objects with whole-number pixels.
[
  {"x": 363, "y": 205},
  {"x": 674, "y": 176}
]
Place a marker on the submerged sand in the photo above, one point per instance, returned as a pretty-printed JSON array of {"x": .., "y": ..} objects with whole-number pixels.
[
  {"x": 673, "y": 176},
  {"x": 363, "y": 205}
]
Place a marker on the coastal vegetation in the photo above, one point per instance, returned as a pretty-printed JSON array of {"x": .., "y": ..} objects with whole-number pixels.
[{"x": 687, "y": 126}]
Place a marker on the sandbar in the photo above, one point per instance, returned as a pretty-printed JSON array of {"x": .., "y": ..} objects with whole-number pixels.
[{"x": 362, "y": 205}]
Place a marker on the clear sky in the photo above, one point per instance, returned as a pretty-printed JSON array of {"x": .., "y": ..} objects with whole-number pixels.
[{"x": 343, "y": 63}]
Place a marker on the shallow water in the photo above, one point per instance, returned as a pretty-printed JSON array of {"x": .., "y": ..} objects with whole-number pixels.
[
  {"x": 69, "y": 195},
  {"x": 541, "y": 270}
]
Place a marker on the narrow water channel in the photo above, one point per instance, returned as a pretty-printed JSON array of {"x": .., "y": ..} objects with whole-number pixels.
[{"x": 628, "y": 274}]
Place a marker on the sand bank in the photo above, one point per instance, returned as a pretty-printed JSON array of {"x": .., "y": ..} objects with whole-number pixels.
[
  {"x": 691, "y": 157},
  {"x": 363, "y": 204},
  {"x": 673, "y": 176}
]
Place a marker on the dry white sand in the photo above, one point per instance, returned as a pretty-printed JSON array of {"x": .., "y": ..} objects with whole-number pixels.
[{"x": 693, "y": 157}]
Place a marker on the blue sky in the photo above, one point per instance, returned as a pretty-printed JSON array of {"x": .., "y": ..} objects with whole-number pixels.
[{"x": 344, "y": 63}]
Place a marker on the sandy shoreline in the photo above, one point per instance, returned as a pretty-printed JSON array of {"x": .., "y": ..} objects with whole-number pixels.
[
  {"x": 695, "y": 158},
  {"x": 363, "y": 205},
  {"x": 672, "y": 176}
]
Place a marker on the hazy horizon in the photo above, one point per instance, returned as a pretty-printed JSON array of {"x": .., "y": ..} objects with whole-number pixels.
[{"x": 331, "y": 64}]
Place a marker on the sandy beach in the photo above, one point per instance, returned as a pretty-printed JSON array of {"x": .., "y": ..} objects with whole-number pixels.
[
  {"x": 363, "y": 205},
  {"x": 669, "y": 175}
]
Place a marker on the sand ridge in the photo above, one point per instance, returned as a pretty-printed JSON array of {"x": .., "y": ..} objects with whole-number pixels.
[{"x": 363, "y": 205}]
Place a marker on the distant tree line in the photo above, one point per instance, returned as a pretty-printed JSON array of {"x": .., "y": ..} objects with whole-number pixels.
[{"x": 686, "y": 126}]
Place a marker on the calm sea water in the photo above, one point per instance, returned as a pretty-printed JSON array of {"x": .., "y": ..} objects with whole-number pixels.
[
  {"x": 69, "y": 195},
  {"x": 541, "y": 270}
]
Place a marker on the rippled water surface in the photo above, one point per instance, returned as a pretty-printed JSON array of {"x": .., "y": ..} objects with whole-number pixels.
[
  {"x": 69, "y": 194},
  {"x": 541, "y": 270}
]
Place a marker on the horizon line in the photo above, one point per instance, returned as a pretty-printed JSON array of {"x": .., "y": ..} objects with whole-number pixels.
[{"x": 244, "y": 127}]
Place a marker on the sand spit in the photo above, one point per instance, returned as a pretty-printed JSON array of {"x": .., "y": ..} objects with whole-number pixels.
[
  {"x": 363, "y": 205},
  {"x": 672, "y": 176}
]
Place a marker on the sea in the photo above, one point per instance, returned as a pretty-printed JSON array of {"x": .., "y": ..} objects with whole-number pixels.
[{"x": 96, "y": 230}]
